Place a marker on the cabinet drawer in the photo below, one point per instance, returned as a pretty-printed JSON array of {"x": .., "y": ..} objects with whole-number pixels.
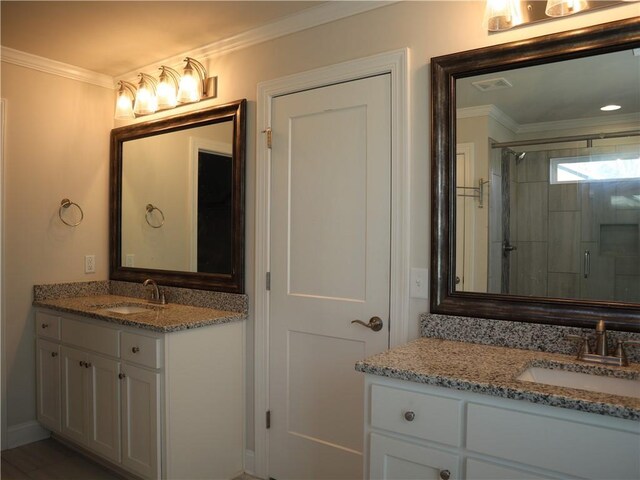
[
  {"x": 417, "y": 414},
  {"x": 47, "y": 325},
  {"x": 553, "y": 443},
  {"x": 91, "y": 337},
  {"x": 141, "y": 349}
]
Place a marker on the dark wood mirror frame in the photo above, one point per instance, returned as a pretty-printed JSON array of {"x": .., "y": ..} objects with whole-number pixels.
[
  {"x": 232, "y": 283},
  {"x": 444, "y": 299}
]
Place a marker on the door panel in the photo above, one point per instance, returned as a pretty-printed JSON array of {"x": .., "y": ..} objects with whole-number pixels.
[
  {"x": 330, "y": 257},
  {"x": 49, "y": 384},
  {"x": 104, "y": 408},
  {"x": 75, "y": 414}
]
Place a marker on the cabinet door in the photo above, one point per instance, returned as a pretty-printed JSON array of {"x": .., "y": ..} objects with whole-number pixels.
[
  {"x": 48, "y": 384},
  {"x": 484, "y": 470},
  {"x": 75, "y": 415},
  {"x": 104, "y": 407},
  {"x": 141, "y": 421},
  {"x": 395, "y": 459}
]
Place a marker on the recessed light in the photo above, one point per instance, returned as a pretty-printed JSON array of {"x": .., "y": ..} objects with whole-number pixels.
[{"x": 610, "y": 108}]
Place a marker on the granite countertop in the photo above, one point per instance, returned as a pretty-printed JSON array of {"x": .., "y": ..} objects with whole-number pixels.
[
  {"x": 493, "y": 370},
  {"x": 160, "y": 318}
]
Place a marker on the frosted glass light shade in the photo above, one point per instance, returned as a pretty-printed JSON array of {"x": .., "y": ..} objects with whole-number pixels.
[
  {"x": 124, "y": 106},
  {"x": 189, "y": 90},
  {"x": 146, "y": 101},
  {"x": 502, "y": 14},
  {"x": 560, "y": 8},
  {"x": 166, "y": 89}
]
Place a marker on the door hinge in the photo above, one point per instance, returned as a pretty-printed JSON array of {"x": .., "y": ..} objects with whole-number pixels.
[
  {"x": 268, "y": 280},
  {"x": 269, "y": 135},
  {"x": 268, "y": 419}
]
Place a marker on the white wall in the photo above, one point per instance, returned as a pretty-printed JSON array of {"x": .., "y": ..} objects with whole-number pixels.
[{"x": 38, "y": 250}]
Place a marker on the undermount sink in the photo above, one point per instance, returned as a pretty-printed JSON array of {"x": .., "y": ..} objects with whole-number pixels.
[
  {"x": 127, "y": 309},
  {"x": 627, "y": 387}
]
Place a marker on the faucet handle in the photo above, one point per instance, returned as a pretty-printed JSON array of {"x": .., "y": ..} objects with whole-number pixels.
[{"x": 585, "y": 347}]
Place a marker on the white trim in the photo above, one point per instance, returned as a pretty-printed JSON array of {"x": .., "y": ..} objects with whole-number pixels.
[
  {"x": 603, "y": 121},
  {"x": 249, "y": 462},
  {"x": 489, "y": 111},
  {"x": 54, "y": 67},
  {"x": 311, "y": 17},
  {"x": 3, "y": 399},
  {"x": 397, "y": 64},
  {"x": 27, "y": 432}
]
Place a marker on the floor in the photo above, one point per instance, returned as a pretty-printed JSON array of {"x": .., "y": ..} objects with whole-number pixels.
[{"x": 50, "y": 460}]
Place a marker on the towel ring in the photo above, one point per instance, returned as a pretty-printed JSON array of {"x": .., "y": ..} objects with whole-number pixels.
[
  {"x": 66, "y": 203},
  {"x": 150, "y": 208}
]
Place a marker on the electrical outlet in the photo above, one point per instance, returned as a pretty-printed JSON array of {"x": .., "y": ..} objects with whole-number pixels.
[
  {"x": 419, "y": 283},
  {"x": 89, "y": 264}
]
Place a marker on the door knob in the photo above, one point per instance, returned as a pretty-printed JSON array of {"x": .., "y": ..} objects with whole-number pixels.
[
  {"x": 375, "y": 323},
  {"x": 445, "y": 474}
]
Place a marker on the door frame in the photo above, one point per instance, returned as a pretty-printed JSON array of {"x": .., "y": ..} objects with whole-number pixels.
[{"x": 395, "y": 63}]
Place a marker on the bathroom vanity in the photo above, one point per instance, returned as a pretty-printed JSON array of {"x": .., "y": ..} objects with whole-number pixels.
[
  {"x": 155, "y": 390},
  {"x": 453, "y": 410}
]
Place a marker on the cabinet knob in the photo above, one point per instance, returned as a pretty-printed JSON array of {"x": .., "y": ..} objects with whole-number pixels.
[
  {"x": 82, "y": 363},
  {"x": 54, "y": 354},
  {"x": 445, "y": 474},
  {"x": 45, "y": 325},
  {"x": 87, "y": 364},
  {"x": 409, "y": 416},
  {"x": 135, "y": 349},
  {"x": 121, "y": 376}
]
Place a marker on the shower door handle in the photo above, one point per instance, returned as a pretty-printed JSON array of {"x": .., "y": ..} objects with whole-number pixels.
[{"x": 587, "y": 263}]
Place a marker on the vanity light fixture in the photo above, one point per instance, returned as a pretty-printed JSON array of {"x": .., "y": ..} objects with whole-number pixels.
[
  {"x": 124, "y": 102},
  {"x": 167, "y": 88},
  {"x": 165, "y": 92},
  {"x": 146, "y": 101},
  {"x": 194, "y": 83}
]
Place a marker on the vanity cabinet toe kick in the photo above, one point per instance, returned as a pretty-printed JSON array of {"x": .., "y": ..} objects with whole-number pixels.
[{"x": 157, "y": 405}]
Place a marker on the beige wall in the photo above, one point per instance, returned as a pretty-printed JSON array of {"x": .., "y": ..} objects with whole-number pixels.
[
  {"x": 38, "y": 250},
  {"x": 57, "y": 146}
]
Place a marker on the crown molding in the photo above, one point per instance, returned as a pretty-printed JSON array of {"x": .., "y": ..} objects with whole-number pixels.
[
  {"x": 489, "y": 111},
  {"x": 46, "y": 65},
  {"x": 600, "y": 121},
  {"x": 303, "y": 20}
]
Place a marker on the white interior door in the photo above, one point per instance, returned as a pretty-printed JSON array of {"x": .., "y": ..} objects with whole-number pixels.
[{"x": 330, "y": 264}]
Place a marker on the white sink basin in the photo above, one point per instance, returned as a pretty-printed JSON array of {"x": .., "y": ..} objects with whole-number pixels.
[
  {"x": 127, "y": 309},
  {"x": 583, "y": 381}
]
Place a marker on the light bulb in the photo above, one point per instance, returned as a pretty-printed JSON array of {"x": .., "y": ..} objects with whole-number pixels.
[
  {"x": 166, "y": 90},
  {"x": 124, "y": 107},
  {"x": 146, "y": 101}
]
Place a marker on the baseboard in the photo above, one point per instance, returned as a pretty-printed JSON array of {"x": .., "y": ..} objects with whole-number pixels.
[
  {"x": 24, "y": 433},
  {"x": 249, "y": 462}
]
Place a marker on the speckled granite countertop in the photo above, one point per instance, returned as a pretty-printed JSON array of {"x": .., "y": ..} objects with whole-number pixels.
[
  {"x": 493, "y": 370},
  {"x": 160, "y": 318}
]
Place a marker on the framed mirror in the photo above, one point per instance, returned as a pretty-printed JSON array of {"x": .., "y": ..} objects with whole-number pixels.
[
  {"x": 177, "y": 200},
  {"x": 535, "y": 190}
]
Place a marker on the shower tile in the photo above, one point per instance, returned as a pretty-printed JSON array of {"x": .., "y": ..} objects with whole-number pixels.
[
  {"x": 532, "y": 268},
  {"x": 600, "y": 283},
  {"x": 534, "y": 167},
  {"x": 564, "y": 242},
  {"x": 627, "y": 265},
  {"x": 627, "y": 288},
  {"x": 627, "y": 195},
  {"x": 564, "y": 285},
  {"x": 564, "y": 197},
  {"x": 495, "y": 267},
  {"x": 495, "y": 209},
  {"x": 596, "y": 208},
  {"x": 532, "y": 211}
]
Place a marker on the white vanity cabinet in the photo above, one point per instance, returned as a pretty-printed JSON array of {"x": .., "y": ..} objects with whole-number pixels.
[
  {"x": 417, "y": 431},
  {"x": 159, "y": 405}
]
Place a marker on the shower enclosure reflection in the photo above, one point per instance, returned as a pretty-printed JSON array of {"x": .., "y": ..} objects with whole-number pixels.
[{"x": 559, "y": 215}]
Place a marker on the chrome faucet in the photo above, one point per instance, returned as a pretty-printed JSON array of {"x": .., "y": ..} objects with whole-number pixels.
[
  {"x": 601, "y": 354},
  {"x": 156, "y": 296}
]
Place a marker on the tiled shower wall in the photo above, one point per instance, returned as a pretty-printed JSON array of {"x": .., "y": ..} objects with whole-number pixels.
[{"x": 553, "y": 225}]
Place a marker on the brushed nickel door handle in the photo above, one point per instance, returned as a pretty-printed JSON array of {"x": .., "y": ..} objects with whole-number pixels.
[{"x": 375, "y": 323}]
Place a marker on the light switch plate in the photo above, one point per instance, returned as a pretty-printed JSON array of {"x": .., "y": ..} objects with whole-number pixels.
[{"x": 419, "y": 283}]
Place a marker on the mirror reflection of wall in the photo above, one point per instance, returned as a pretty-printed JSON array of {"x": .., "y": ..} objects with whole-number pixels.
[
  {"x": 560, "y": 215},
  {"x": 168, "y": 171}
]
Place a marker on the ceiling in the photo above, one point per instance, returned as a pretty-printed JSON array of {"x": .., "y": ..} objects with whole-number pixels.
[{"x": 115, "y": 37}]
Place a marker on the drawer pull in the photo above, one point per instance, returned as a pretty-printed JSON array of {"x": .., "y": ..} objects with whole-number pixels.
[
  {"x": 45, "y": 325},
  {"x": 54, "y": 354},
  {"x": 135, "y": 349},
  {"x": 409, "y": 416},
  {"x": 445, "y": 474},
  {"x": 121, "y": 376}
]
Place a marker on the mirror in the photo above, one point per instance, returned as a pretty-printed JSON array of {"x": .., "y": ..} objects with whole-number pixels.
[
  {"x": 177, "y": 200},
  {"x": 536, "y": 192}
]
